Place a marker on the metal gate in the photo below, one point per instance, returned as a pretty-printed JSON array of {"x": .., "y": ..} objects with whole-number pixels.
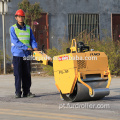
[{"x": 87, "y": 23}]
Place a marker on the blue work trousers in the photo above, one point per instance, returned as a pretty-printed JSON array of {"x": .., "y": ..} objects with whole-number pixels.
[{"x": 22, "y": 73}]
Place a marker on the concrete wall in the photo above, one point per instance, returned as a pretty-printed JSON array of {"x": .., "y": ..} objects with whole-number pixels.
[{"x": 58, "y": 16}]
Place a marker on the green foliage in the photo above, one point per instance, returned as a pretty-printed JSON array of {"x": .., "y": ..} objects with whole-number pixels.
[
  {"x": 24, "y": 5},
  {"x": 48, "y": 70},
  {"x": 111, "y": 48},
  {"x": 32, "y": 11},
  {"x": 1, "y": 57},
  {"x": 1, "y": 62}
]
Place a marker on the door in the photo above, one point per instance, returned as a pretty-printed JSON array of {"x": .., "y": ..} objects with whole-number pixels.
[
  {"x": 41, "y": 31},
  {"x": 116, "y": 27}
]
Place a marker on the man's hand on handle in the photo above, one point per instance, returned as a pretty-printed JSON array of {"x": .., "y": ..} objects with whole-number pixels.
[
  {"x": 35, "y": 49},
  {"x": 30, "y": 49}
]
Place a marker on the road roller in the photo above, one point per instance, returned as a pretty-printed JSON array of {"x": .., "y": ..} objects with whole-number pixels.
[{"x": 81, "y": 74}]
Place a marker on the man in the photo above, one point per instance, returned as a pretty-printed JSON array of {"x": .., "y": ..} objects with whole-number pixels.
[{"x": 22, "y": 43}]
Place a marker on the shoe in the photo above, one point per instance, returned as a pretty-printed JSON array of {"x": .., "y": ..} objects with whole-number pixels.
[
  {"x": 18, "y": 96},
  {"x": 29, "y": 95}
]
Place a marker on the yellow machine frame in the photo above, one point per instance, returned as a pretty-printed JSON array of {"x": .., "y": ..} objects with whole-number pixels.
[
  {"x": 67, "y": 72},
  {"x": 75, "y": 74}
]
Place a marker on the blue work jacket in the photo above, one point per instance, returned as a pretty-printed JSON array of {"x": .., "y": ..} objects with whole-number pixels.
[{"x": 18, "y": 48}]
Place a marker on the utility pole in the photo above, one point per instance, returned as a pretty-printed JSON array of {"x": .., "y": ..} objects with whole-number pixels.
[
  {"x": 4, "y": 37},
  {"x": 4, "y": 10}
]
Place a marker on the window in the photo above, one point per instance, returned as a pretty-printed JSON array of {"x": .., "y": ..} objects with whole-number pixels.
[{"x": 83, "y": 23}]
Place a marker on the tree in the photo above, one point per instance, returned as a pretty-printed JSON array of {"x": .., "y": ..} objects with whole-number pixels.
[{"x": 32, "y": 11}]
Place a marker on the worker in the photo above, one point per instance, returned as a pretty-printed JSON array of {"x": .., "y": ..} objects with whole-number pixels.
[{"x": 22, "y": 43}]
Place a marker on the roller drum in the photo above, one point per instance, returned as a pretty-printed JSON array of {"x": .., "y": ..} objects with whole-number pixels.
[{"x": 81, "y": 92}]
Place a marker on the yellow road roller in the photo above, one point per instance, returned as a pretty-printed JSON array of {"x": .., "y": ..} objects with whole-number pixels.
[{"x": 81, "y": 74}]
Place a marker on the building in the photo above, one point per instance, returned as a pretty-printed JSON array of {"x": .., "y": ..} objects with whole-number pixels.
[{"x": 66, "y": 18}]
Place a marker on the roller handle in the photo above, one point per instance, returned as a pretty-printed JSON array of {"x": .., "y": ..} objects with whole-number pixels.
[
  {"x": 50, "y": 63},
  {"x": 100, "y": 92}
]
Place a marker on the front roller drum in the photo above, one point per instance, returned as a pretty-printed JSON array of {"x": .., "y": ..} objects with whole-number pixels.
[{"x": 81, "y": 92}]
